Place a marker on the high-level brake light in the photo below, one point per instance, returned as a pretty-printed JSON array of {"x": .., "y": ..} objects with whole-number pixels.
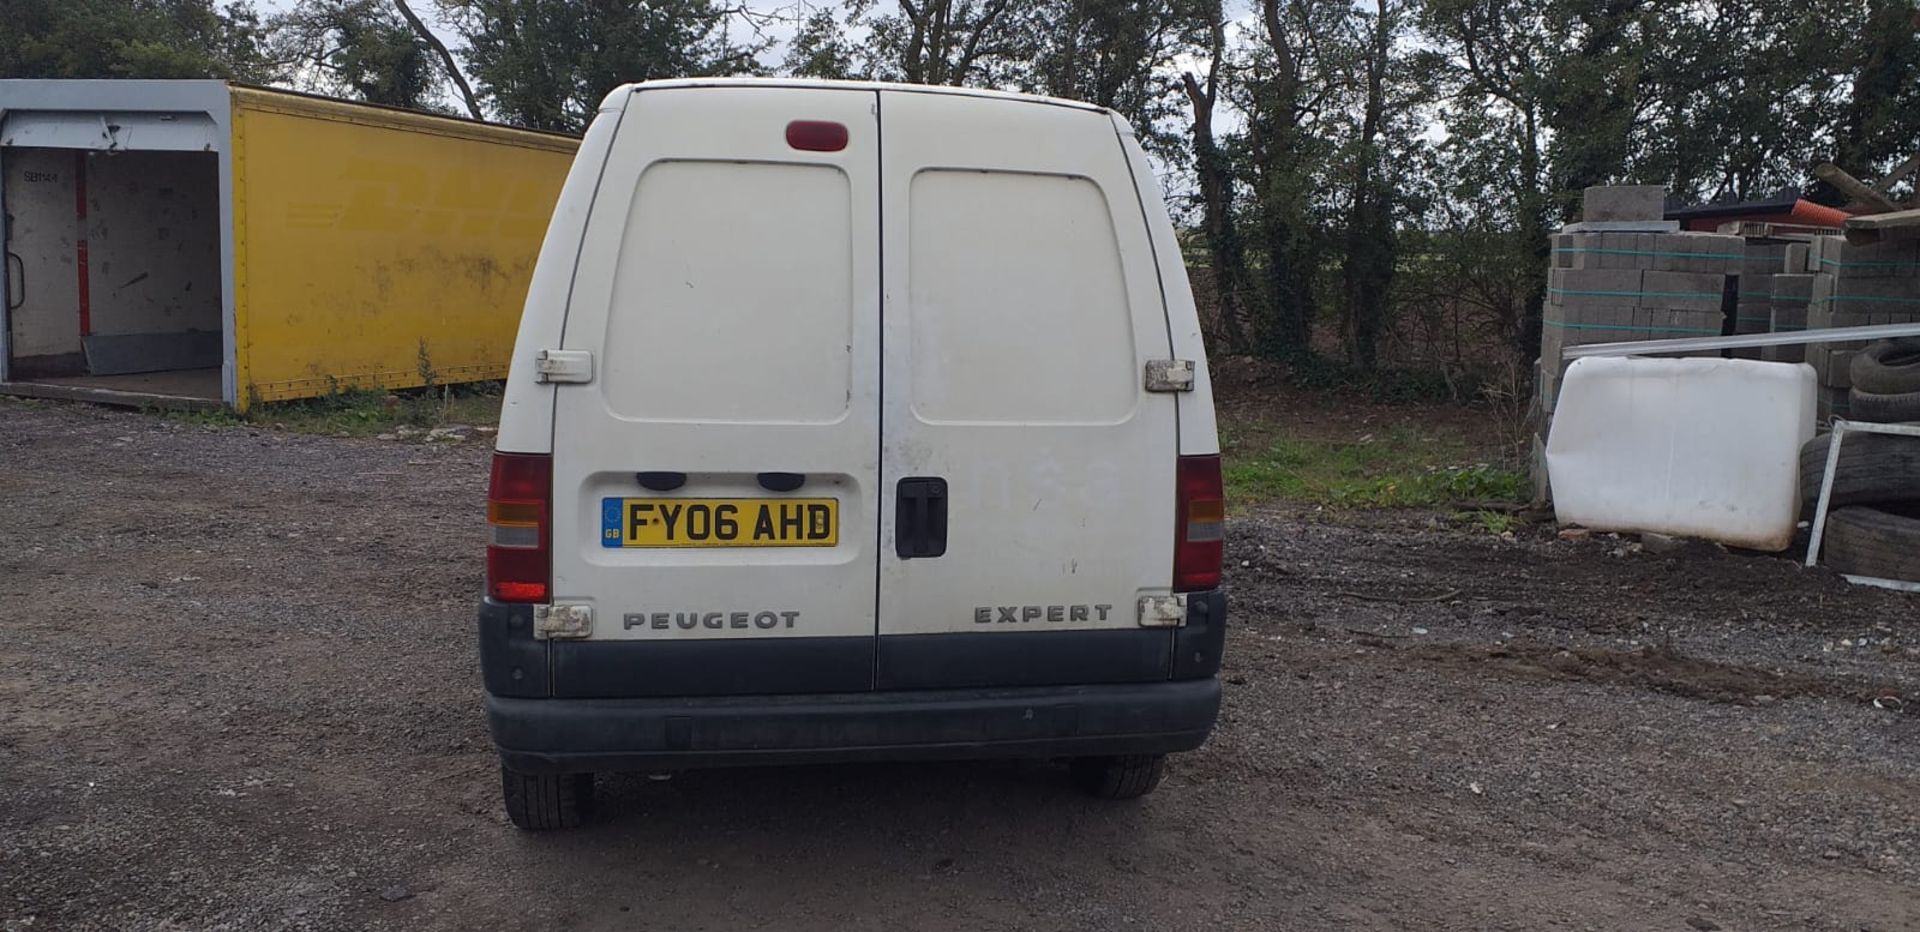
[{"x": 817, "y": 135}]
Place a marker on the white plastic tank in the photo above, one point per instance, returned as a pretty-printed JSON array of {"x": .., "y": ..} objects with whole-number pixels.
[{"x": 1694, "y": 447}]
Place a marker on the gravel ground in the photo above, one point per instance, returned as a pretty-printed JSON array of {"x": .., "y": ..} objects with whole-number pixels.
[{"x": 238, "y": 690}]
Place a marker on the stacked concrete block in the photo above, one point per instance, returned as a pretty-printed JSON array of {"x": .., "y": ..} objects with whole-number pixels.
[
  {"x": 1693, "y": 293},
  {"x": 1596, "y": 275},
  {"x": 1754, "y": 311},
  {"x": 1710, "y": 253},
  {"x": 1886, "y": 259},
  {"x": 1624, "y": 202},
  {"x": 1584, "y": 306},
  {"x": 1611, "y": 287},
  {"x": 1797, "y": 255},
  {"x": 1856, "y": 285},
  {"x": 1788, "y": 313},
  {"x": 1705, "y": 253},
  {"x": 1618, "y": 305}
]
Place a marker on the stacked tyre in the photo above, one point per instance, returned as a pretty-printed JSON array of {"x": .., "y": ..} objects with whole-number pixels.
[
  {"x": 1873, "y": 521},
  {"x": 1886, "y": 382}
]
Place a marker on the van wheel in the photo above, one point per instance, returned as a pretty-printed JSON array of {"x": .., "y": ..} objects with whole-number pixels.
[
  {"x": 540, "y": 802},
  {"x": 1129, "y": 777}
]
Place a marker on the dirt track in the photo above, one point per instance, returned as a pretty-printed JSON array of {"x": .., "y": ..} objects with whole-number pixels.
[{"x": 238, "y": 691}]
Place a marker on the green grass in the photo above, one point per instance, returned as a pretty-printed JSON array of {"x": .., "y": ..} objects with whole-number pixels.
[
  {"x": 1399, "y": 467},
  {"x": 370, "y": 413}
]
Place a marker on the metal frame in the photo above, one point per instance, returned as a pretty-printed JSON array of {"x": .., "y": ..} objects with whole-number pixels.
[
  {"x": 1842, "y": 427},
  {"x": 1743, "y": 341},
  {"x": 6, "y": 271}
]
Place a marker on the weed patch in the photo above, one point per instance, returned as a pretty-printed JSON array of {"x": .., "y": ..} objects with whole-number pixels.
[
  {"x": 363, "y": 413},
  {"x": 1401, "y": 467}
]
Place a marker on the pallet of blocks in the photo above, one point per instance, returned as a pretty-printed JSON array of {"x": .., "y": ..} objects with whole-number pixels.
[
  {"x": 1620, "y": 287},
  {"x": 1856, "y": 285}
]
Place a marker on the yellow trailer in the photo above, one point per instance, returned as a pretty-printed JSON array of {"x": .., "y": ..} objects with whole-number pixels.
[{"x": 197, "y": 243}]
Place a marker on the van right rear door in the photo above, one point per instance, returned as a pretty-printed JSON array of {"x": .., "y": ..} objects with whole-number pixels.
[{"x": 1027, "y": 479}]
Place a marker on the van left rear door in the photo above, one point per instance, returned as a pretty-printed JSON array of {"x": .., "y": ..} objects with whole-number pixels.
[{"x": 715, "y": 483}]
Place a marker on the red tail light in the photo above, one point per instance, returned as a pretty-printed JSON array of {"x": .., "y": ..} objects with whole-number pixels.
[
  {"x": 519, "y": 525},
  {"x": 1200, "y": 521}
]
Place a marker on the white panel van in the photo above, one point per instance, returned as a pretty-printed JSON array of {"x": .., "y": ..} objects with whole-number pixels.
[{"x": 852, "y": 422}]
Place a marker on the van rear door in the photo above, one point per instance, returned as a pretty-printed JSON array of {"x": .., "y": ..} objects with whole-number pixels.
[
  {"x": 715, "y": 483},
  {"x": 1028, "y": 479}
]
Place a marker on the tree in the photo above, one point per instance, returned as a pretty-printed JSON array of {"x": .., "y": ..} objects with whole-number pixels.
[
  {"x": 1114, "y": 53},
  {"x": 983, "y": 43},
  {"x": 546, "y": 64},
  {"x": 1291, "y": 83},
  {"x": 1367, "y": 268},
  {"x": 432, "y": 41},
  {"x": 1735, "y": 104},
  {"x": 1591, "y": 93},
  {"x": 1214, "y": 172},
  {"x": 1491, "y": 58},
  {"x": 361, "y": 49},
  {"x": 1881, "y": 122},
  {"x": 131, "y": 39},
  {"x": 820, "y": 47}
]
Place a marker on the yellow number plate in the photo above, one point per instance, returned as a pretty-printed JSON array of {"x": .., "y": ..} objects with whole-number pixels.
[{"x": 719, "y": 522}]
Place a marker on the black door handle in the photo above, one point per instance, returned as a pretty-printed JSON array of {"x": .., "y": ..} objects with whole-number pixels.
[{"x": 920, "y": 518}]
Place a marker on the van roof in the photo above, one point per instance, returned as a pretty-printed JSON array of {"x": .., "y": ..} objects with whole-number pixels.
[{"x": 858, "y": 85}]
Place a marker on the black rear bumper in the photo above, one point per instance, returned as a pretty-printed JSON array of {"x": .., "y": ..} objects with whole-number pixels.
[
  {"x": 545, "y": 735},
  {"x": 643, "y": 705}
]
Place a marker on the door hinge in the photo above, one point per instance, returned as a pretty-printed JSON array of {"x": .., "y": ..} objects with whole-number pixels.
[
  {"x": 1169, "y": 375},
  {"x": 562, "y": 621},
  {"x": 570, "y": 366},
  {"x": 1163, "y": 611}
]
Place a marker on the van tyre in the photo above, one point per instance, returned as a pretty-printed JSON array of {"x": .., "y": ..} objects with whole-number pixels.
[
  {"x": 1879, "y": 408},
  {"x": 1873, "y": 468},
  {"x": 1128, "y": 777},
  {"x": 1870, "y": 542},
  {"x": 540, "y": 802},
  {"x": 1887, "y": 367}
]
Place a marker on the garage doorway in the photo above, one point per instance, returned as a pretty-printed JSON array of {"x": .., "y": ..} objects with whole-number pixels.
[{"x": 114, "y": 275}]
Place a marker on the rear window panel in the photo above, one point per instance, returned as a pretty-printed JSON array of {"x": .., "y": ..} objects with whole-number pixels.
[
  {"x": 734, "y": 295},
  {"x": 1018, "y": 301}
]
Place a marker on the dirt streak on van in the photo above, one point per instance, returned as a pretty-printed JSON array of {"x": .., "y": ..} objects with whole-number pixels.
[{"x": 910, "y": 374}]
